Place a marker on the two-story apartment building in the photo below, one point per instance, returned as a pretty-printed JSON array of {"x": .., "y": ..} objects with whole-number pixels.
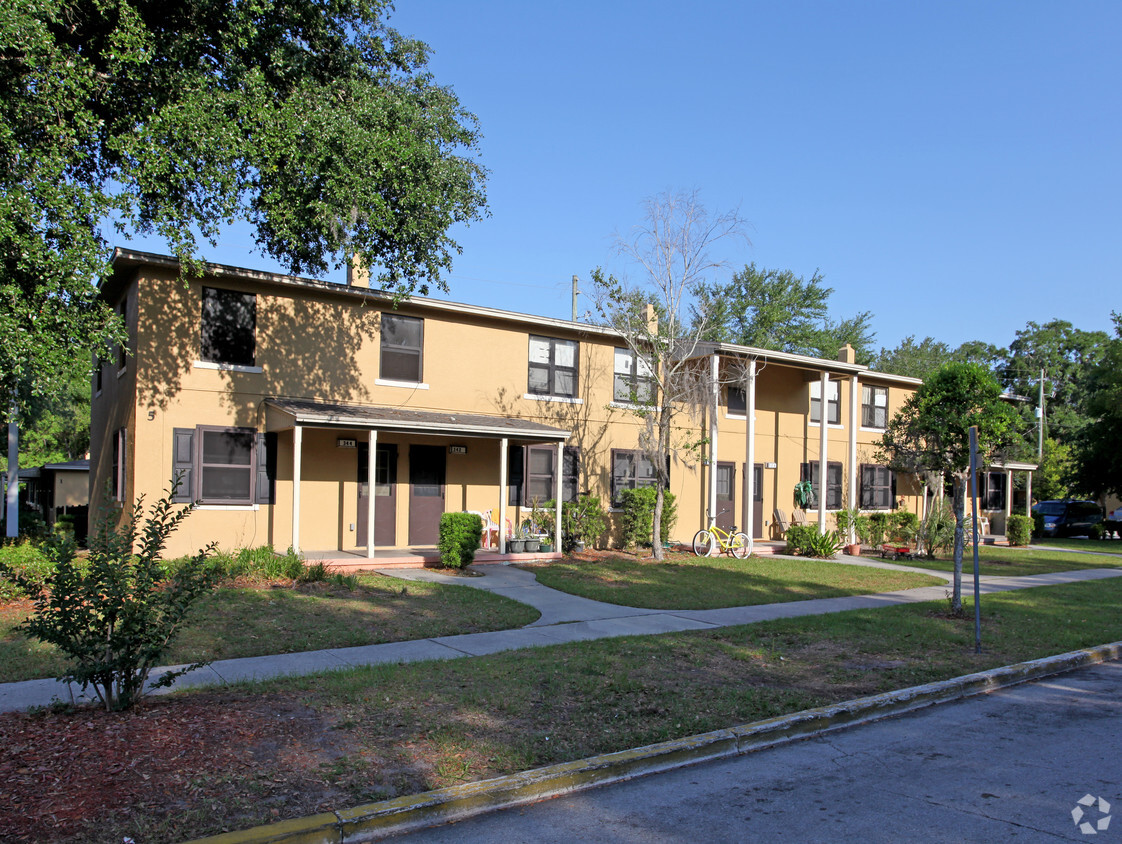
[{"x": 319, "y": 415}]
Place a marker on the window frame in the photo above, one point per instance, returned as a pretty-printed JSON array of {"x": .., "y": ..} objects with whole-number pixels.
[
  {"x": 632, "y": 478},
  {"x": 833, "y": 403},
  {"x": 552, "y": 368},
  {"x": 417, "y": 351},
  {"x": 882, "y": 487},
  {"x": 807, "y": 472},
  {"x": 209, "y": 353},
  {"x": 632, "y": 379},
  {"x": 869, "y": 407},
  {"x": 519, "y": 463},
  {"x": 200, "y": 467}
]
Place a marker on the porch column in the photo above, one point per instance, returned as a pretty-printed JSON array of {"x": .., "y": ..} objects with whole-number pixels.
[
  {"x": 558, "y": 491},
  {"x": 297, "y": 448},
  {"x": 823, "y": 416},
  {"x": 371, "y": 473},
  {"x": 750, "y": 448},
  {"x": 502, "y": 493},
  {"x": 854, "y": 421},
  {"x": 1028, "y": 493},
  {"x": 715, "y": 390},
  {"x": 1008, "y": 497}
]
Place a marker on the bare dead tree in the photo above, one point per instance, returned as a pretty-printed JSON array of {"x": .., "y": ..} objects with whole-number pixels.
[{"x": 672, "y": 248}]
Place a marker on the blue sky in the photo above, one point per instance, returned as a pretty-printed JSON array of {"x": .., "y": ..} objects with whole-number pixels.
[{"x": 952, "y": 167}]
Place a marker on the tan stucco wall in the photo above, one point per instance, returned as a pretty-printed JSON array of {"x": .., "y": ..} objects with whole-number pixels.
[{"x": 324, "y": 346}]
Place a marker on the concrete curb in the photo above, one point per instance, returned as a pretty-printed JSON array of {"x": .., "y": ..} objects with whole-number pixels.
[{"x": 373, "y": 821}]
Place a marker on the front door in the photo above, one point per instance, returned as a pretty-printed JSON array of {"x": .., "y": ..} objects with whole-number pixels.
[
  {"x": 758, "y": 501},
  {"x": 726, "y": 495},
  {"x": 426, "y": 493},
  {"x": 385, "y": 494}
]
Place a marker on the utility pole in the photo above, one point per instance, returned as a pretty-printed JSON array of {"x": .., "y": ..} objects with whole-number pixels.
[
  {"x": 575, "y": 298},
  {"x": 1040, "y": 410},
  {"x": 12, "y": 492}
]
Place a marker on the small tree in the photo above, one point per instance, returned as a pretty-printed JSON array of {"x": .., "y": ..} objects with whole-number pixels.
[
  {"x": 672, "y": 247},
  {"x": 115, "y": 613},
  {"x": 931, "y": 433}
]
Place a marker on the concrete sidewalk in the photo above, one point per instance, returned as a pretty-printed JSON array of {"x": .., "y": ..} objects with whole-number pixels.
[{"x": 565, "y": 618}]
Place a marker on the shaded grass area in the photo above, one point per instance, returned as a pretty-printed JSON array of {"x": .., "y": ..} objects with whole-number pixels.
[
  {"x": 395, "y": 730},
  {"x": 255, "y": 619},
  {"x": 685, "y": 581},
  {"x": 999, "y": 560}
]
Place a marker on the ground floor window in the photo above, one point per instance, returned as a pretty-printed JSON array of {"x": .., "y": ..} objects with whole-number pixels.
[
  {"x": 878, "y": 487},
  {"x": 631, "y": 469},
  {"x": 531, "y": 474},
  {"x": 223, "y": 465},
  {"x": 809, "y": 472}
]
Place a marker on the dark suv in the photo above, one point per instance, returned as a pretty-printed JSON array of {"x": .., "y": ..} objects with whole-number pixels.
[{"x": 1068, "y": 517}]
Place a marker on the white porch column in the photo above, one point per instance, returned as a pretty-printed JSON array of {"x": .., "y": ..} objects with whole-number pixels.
[
  {"x": 715, "y": 390},
  {"x": 502, "y": 493},
  {"x": 823, "y": 424},
  {"x": 1028, "y": 494},
  {"x": 854, "y": 423},
  {"x": 750, "y": 448},
  {"x": 1008, "y": 497},
  {"x": 297, "y": 448},
  {"x": 371, "y": 497},
  {"x": 558, "y": 491}
]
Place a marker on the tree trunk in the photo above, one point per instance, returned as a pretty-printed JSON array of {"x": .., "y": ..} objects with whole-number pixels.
[{"x": 959, "y": 540}]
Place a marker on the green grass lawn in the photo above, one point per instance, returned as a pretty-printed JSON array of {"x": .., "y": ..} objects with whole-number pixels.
[
  {"x": 1000, "y": 560},
  {"x": 687, "y": 582},
  {"x": 1104, "y": 546},
  {"x": 255, "y": 620}
]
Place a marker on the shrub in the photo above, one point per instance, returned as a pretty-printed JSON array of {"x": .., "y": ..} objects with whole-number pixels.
[
  {"x": 878, "y": 527},
  {"x": 808, "y": 541},
  {"x": 937, "y": 530},
  {"x": 260, "y": 562},
  {"x": 1038, "y": 525},
  {"x": 28, "y": 562},
  {"x": 321, "y": 572},
  {"x": 903, "y": 526},
  {"x": 583, "y": 520},
  {"x": 1095, "y": 531},
  {"x": 637, "y": 519},
  {"x": 1018, "y": 529},
  {"x": 459, "y": 538},
  {"x": 114, "y": 616}
]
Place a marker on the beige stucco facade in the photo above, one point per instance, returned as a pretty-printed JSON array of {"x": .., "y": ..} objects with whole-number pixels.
[{"x": 318, "y": 347}]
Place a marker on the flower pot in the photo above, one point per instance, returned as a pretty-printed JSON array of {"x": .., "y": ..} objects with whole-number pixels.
[
  {"x": 515, "y": 546},
  {"x": 532, "y": 545},
  {"x": 578, "y": 545},
  {"x": 547, "y": 547},
  {"x": 853, "y": 549}
]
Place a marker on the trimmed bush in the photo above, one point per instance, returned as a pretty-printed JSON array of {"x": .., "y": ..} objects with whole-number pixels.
[
  {"x": 808, "y": 541},
  {"x": 1018, "y": 529},
  {"x": 27, "y": 562},
  {"x": 583, "y": 520},
  {"x": 460, "y": 534},
  {"x": 637, "y": 520}
]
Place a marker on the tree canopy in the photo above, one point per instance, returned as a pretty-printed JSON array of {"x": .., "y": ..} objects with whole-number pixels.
[
  {"x": 1098, "y": 452},
  {"x": 776, "y": 309},
  {"x": 931, "y": 433},
  {"x": 316, "y": 123}
]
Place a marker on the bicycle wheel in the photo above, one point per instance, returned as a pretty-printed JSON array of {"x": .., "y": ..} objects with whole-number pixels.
[
  {"x": 703, "y": 543},
  {"x": 740, "y": 545}
]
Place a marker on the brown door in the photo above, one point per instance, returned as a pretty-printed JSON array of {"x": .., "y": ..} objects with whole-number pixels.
[
  {"x": 385, "y": 492},
  {"x": 726, "y": 495},
  {"x": 426, "y": 493},
  {"x": 758, "y": 501}
]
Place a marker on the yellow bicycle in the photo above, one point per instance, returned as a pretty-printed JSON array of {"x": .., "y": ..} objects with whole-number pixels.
[{"x": 707, "y": 541}]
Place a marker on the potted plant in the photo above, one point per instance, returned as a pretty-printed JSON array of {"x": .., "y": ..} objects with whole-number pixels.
[
  {"x": 529, "y": 536},
  {"x": 851, "y": 527},
  {"x": 516, "y": 544}
]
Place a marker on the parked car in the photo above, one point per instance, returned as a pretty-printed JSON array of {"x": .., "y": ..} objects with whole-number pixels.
[{"x": 1068, "y": 517}]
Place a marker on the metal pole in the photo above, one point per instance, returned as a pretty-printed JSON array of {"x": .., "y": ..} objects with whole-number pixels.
[
  {"x": 1040, "y": 444},
  {"x": 575, "y": 298},
  {"x": 974, "y": 514}
]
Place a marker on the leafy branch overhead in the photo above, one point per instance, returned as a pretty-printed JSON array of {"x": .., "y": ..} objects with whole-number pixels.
[{"x": 319, "y": 125}]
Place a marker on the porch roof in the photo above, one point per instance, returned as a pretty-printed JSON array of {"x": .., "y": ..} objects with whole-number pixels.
[{"x": 330, "y": 415}]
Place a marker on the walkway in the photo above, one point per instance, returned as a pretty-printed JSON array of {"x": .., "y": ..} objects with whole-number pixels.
[{"x": 565, "y": 618}]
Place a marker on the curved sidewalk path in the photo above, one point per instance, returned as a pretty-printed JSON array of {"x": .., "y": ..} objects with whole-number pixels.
[{"x": 564, "y": 618}]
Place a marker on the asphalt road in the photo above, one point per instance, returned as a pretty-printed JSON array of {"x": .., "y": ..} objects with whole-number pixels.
[{"x": 1009, "y": 766}]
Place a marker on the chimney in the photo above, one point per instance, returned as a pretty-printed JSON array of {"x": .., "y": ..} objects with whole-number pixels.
[
  {"x": 847, "y": 354},
  {"x": 357, "y": 276},
  {"x": 651, "y": 316}
]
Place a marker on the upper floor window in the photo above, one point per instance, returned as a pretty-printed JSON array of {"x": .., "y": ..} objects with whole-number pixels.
[
  {"x": 737, "y": 400},
  {"x": 229, "y": 327},
  {"x": 874, "y": 406},
  {"x": 553, "y": 367},
  {"x": 833, "y": 402},
  {"x": 633, "y": 381},
  {"x": 117, "y": 479},
  {"x": 402, "y": 343}
]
